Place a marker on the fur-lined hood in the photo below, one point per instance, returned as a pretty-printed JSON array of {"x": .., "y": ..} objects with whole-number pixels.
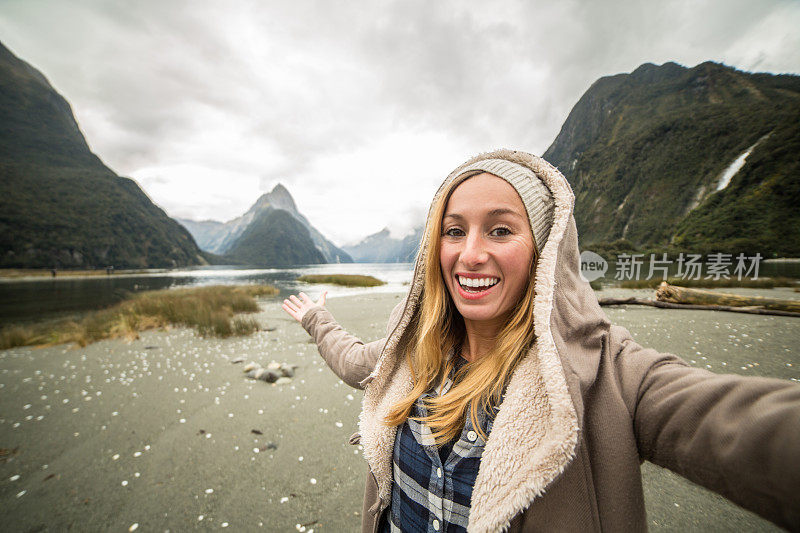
[{"x": 535, "y": 434}]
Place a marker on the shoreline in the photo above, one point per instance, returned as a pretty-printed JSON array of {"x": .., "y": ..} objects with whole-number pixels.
[
  {"x": 8, "y": 275},
  {"x": 11, "y": 275},
  {"x": 119, "y": 432}
]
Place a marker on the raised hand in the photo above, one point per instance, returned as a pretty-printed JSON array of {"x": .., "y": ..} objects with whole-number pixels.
[{"x": 298, "y": 307}]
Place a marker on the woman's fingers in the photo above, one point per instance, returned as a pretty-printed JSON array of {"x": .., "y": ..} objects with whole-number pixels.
[
  {"x": 291, "y": 310},
  {"x": 297, "y": 307}
]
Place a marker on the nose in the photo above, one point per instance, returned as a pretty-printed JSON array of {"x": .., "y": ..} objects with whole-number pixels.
[{"x": 474, "y": 252}]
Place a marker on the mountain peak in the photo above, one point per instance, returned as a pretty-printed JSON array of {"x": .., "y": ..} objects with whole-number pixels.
[
  {"x": 652, "y": 73},
  {"x": 278, "y": 198}
]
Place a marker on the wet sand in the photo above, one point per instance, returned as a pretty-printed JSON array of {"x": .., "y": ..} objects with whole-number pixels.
[{"x": 159, "y": 432}]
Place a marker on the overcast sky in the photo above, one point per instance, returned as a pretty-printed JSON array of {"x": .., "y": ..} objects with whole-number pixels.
[{"x": 359, "y": 108}]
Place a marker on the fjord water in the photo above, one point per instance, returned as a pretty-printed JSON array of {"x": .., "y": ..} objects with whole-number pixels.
[
  {"x": 51, "y": 298},
  {"x": 25, "y": 301}
]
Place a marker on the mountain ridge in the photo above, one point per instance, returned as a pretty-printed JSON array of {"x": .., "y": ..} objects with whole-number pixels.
[
  {"x": 222, "y": 237},
  {"x": 381, "y": 247},
  {"x": 643, "y": 151},
  {"x": 60, "y": 206}
]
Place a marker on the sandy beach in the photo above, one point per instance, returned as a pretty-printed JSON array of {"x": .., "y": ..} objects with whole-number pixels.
[{"x": 166, "y": 433}]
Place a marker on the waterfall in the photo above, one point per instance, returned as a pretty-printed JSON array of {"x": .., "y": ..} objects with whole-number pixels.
[{"x": 736, "y": 166}]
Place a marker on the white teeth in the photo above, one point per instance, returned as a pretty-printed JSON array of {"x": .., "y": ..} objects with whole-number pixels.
[{"x": 477, "y": 282}]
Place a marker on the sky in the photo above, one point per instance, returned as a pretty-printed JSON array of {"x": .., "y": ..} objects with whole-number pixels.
[{"x": 359, "y": 108}]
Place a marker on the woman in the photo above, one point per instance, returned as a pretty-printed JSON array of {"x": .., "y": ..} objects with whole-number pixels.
[{"x": 502, "y": 397}]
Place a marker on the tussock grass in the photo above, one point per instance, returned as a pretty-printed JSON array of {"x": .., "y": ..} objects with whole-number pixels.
[
  {"x": 209, "y": 310},
  {"x": 348, "y": 280},
  {"x": 762, "y": 283}
]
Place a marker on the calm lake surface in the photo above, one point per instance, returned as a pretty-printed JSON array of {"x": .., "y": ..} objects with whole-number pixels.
[
  {"x": 52, "y": 298},
  {"x": 25, "y": 301}
]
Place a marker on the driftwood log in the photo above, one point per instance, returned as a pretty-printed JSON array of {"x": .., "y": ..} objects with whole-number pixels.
[
  {"x": 683, "y": 295},
  {"x": 672, "y": 297}
]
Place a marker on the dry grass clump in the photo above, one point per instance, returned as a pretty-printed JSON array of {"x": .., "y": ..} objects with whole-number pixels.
[
  {"x": 209, "y": 310},
  {"x": 348, "y": 280},
  {"x": 761, "y": 283}
]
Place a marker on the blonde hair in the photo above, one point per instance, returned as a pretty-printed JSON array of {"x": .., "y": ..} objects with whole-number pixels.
[{"x": 438, "y": 328}]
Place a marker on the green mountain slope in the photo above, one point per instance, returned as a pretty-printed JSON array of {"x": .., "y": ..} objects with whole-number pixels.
[
  {"x": 60, "y": 206},
  {"x": 645, "y": 153},
  {"x": 275, "y": 238}
]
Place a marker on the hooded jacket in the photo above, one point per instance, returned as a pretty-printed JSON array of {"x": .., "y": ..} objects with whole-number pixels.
[{"x": 584, "y": 408}]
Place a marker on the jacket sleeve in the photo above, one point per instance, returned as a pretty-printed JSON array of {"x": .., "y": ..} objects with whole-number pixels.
[
  {"x": 738, "y": 436},
  {"x": 349, "y": 358}
]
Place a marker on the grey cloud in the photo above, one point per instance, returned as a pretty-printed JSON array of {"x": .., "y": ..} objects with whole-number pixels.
[{"x": 271, "y": 89}]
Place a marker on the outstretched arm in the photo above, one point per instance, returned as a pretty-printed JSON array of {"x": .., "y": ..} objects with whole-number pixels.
[
  {"x": 348, "y": 357},
  {"x": 738, "y": 436}
]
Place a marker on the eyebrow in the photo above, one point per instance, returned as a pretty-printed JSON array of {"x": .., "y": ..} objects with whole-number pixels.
[{"x": 493, "y": 213}]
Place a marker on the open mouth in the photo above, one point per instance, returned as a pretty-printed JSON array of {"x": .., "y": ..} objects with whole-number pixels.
[{"x": 477, "y": 285}]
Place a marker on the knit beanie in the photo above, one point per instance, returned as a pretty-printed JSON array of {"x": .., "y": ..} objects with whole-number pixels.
[{"x": 536, "y": 197}]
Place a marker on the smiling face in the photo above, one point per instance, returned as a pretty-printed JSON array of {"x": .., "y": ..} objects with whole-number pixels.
[{"x": 486, "y": 248}]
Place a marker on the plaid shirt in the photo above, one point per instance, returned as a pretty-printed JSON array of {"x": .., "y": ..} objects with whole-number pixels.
[{"x": 430, "y": 492}]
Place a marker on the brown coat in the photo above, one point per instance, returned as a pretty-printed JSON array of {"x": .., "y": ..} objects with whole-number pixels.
[{"x": 584, "y": 408}]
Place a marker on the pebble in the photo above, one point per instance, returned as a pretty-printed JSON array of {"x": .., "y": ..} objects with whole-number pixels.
[
  {"x": 134, "y": 527},
  {"x": 270, "y": 376},
  {"x": 287, "y": 370}
]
